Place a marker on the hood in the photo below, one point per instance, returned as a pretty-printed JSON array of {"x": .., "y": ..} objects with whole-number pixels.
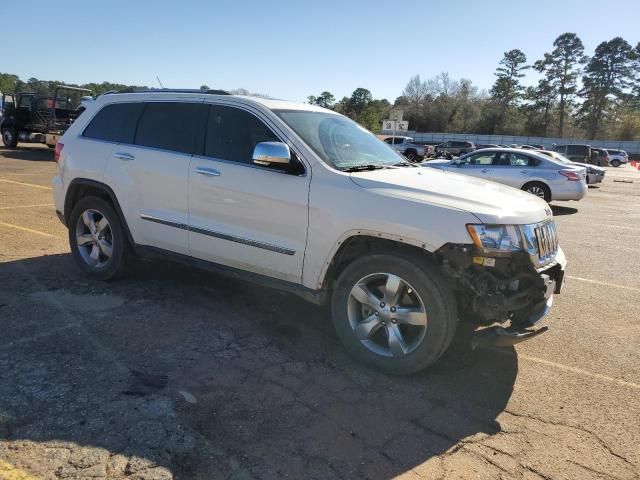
[{"x": 490, "y": 202}]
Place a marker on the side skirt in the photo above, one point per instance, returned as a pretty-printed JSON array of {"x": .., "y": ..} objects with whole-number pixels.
[{"x": 318, "y": 297}]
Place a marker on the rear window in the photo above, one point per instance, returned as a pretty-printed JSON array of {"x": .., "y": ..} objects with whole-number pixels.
[
  {"x": 115, "y": 123},
  {"x": 170, "y": 126}
]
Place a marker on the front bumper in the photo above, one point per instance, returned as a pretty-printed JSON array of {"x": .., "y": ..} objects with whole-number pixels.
[{"x": 524, "y": 325}]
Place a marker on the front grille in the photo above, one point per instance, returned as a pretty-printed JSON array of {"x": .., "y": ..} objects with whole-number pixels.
[{"x": 547, "y": 238}]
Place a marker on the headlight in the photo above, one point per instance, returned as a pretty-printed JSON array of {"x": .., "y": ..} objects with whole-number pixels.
[{"x": 496, "y": 238}]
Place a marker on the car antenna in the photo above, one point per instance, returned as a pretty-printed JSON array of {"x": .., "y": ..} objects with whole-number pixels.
[{"x": 158, "y": 78}]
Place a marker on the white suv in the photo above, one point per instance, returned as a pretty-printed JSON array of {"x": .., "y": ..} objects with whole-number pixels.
[{"x": 302, "y": 198}]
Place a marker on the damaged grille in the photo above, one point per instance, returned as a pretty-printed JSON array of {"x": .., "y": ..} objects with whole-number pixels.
[{"x": 547, "y": 240}]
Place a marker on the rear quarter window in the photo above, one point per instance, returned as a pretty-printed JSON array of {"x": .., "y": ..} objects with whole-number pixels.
[{"x": 115, "y": 123}]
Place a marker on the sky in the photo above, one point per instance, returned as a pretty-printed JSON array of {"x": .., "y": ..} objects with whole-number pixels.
[{"x": 292, "y": 49}]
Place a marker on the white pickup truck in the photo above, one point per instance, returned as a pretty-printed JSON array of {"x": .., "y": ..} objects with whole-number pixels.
[{"x": 414, "y": 152}]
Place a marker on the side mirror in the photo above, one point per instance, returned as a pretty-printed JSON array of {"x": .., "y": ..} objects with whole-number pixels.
[
  {"x": 271, "y": 153},
  {"x": 457, "y": 162}
]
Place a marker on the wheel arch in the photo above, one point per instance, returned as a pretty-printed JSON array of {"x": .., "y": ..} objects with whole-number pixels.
[
  {"x": 84, "y": 187},
  {"x": 355, "y": 244}
]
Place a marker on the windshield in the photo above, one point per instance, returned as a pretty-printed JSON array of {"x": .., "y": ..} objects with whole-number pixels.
[{"x": 340, "y": 142}]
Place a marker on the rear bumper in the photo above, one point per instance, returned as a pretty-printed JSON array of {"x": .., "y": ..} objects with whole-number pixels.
[{"x": 569, "y": 190}]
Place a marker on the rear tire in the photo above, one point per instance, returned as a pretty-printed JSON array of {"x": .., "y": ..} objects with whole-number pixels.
[
  {"x": 97, "y": 239},
  {"x": 615, "y": 163},
  {"x": 411, "y": 330},
  {"x": 10, "y": 137},
  {"x": 539, "y": 190}
]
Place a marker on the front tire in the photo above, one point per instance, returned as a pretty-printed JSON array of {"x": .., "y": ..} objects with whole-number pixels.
[
  {"x": 615, "y": 163},
  {"x": 411, "y": 155},
  {"x": 97, "y": 239},
  {"x": 539, "y": 190},
  {"x": 10, "y": 137},
  {"x": 393, "y": 312}
]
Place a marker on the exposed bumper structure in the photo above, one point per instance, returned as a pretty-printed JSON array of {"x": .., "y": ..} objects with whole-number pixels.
[{"x": 524, "y": 328}]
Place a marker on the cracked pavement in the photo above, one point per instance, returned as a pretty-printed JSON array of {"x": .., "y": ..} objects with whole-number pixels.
[{"x": 176, "y": 373}]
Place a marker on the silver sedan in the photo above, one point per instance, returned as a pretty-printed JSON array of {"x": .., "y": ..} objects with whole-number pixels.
[{"x": 527, "y": 170}]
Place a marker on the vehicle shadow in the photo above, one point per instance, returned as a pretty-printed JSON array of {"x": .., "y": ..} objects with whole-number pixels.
[
  {"x": 32, "y": 154},
  {"x": 176, "y": 369},
  {"x": 562, "y": 210}
]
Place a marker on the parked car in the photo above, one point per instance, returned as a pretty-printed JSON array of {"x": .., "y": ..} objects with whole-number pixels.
[
  {"x": 575, "y": 153},
  {"x": 301, "y": 198},
  {"x": 486, "y": 145},
  {"x": 407, "y": 147},
  {"x": 617, "y": 157},
  {"x": 455, "y": 148},
  {"x": 532, "y": 147},
  {"x": 599, "y": 156},
  {"x": 595, "y": 174},
  {"x": 527, "y": 170}
]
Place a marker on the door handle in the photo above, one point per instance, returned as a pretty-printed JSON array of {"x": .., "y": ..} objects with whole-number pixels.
[
  {"x": 124, "y": 156},
  {"x": 524, "y": 171},
  {"x": 484, "y": 170},
  {"x": 209, "y": 172}
]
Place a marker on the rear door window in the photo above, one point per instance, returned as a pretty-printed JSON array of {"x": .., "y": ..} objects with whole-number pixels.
[
  {"x": 521, "y": 160},
  {"x": 171, "y": 126},
  {"x": 115, "y": 123}
]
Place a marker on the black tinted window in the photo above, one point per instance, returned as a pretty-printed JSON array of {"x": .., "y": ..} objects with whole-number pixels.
[
  {"x": 576, "y": 150},
  {"x": 233, "y": 133},
  {"x": 170, "y": 126},
  {"x": 115, "y": 123}
]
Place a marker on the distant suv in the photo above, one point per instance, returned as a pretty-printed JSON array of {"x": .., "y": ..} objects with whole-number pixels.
[
  {"x": 600, "y": 157},
  {"x": 456, "y": 148},
  {"x": 407, "y": 147},
  {"x": 303, "y": 199},
  {"x": 575, "y": 153},
  {"x": 617, "y": 157}
]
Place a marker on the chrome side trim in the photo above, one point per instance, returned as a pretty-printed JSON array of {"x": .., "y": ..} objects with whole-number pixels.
[
  {"x": 222, "y": 236},
  {"x": 244, "y": 241},
  {"x": 161, "y": 221}
]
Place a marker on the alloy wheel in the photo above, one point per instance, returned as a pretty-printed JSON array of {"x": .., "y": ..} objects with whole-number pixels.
[
  {"x": 387, "y": 315},
  {"x": 94, "y": 238},
  {"x": 537, "y": 191}
]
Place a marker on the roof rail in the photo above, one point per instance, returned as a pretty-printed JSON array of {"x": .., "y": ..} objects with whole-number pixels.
[{"x": 168, "y": 90}]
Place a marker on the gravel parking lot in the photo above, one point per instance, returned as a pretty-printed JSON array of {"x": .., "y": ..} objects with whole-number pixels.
[{"x": 176, "y": 373}]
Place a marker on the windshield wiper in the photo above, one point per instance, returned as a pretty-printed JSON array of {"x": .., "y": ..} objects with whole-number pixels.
[
  {"x": 404, "y": 164},
  {"x": 364, "y": 168}
]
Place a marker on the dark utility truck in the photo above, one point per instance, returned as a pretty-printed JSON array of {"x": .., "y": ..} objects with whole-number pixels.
[{"x": 35, "y": 118}]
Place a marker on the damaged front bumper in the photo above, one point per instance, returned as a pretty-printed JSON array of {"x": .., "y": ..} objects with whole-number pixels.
[
  {"x": 508, "y": 314},
  {"x": 526, "y": 328}
]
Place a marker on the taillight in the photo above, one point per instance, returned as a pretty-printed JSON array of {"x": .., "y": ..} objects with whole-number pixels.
[
  {"x": 571, "y": 175},
  {"x": 58, "y": 151}
]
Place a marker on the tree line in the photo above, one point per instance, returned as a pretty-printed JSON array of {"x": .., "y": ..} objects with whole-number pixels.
[{"x": 576, "y": 95}]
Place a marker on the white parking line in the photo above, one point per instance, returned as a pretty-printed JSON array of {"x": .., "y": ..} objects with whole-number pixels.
[
  {"x": 25, "y": 184},
  {"x": 607, "y": 284},
  {"x": 25, "y": 229},
  {"x": 580, "y": 371},
  {"x": 27, "y": 206}
]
